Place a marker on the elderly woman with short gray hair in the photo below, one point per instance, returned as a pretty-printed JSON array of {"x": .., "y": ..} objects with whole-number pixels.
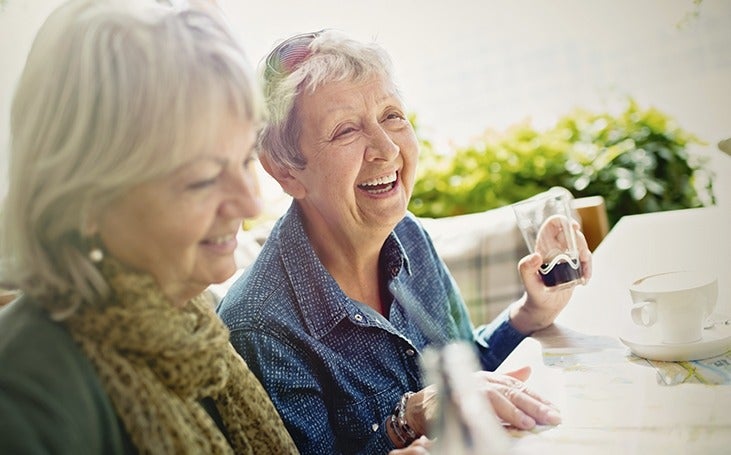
[{"x": 348, "y": 290}]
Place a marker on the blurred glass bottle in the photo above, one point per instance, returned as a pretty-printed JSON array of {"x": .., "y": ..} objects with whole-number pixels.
[{"x": 466, "y": 423}]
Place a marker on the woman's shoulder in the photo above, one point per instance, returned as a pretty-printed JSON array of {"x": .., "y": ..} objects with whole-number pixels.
[
  {"x": 49, "y": 391},
  {"x": 411, "y": 233},
  {"x": 31, "y": 337},
  {"x": 262, "y": 296},
  {"x": 264, "y": 292}
]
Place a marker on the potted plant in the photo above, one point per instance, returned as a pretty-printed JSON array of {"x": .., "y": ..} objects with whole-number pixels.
[{"x": 638, "y": 160}]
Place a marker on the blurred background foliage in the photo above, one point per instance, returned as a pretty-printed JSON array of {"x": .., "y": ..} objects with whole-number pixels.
[{"x": 639, "y": 161}]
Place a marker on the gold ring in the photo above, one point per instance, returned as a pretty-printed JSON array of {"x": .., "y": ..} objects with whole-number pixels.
[{"x": 515, "y": 388}]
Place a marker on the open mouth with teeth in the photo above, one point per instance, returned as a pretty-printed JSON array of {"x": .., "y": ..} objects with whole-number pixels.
[
  {"x": 222, "y": 244},
  {"x": 380, "y": 185}
]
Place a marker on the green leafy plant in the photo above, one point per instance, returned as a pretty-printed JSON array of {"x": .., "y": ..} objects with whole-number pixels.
[{"x": 638, "y": 161}]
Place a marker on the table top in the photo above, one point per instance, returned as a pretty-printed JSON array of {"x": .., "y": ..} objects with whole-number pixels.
[{"x": 612, "y": 401}]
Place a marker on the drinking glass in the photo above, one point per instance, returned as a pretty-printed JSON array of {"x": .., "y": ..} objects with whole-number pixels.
[{"x": 546, "y": 223}]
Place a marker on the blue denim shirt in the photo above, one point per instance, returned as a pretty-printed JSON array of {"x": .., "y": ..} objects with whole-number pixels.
[{"x": 333, "y": 367}]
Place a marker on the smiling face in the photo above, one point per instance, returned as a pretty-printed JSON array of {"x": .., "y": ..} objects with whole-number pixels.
[
  {"x": 181, "y": 228},
  {"x": 361, "y": 154}
]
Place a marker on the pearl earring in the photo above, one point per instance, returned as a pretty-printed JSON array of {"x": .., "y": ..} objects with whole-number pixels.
[{"x": 96, "y": 255}]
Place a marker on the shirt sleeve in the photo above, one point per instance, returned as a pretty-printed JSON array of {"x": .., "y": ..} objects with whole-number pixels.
[
  {"x": 297, "y": 393},
  {"x": 496, "y": 340}
]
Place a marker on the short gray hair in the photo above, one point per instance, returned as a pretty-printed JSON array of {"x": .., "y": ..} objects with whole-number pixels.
[
  {"x": 114, "y": 93},
  {"x": 332, "y": 56}
]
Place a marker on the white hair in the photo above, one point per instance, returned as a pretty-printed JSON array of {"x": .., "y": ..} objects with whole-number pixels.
[
  {"x": 113, "y": 93},
  {"x": 333, "y": 56}
]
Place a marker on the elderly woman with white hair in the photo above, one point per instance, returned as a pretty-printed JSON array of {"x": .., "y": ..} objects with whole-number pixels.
[
  {"x": 133, "y": 135},
  {"x": 348, "y": 290}
]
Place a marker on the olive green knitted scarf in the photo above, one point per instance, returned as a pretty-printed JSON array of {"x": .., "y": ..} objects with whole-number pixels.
[{"x": 157, "y": 362}]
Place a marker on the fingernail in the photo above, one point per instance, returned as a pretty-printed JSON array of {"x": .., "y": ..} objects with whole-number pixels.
[
  {"x": 527, "y": 422},
  {"x": 553, "y": 417}
]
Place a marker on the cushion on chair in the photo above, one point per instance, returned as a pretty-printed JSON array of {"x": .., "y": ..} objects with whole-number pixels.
[{"x": 482, "y": 251}]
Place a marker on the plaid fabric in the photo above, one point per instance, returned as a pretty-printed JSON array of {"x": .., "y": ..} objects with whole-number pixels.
[{"x": 482, "y": 251}]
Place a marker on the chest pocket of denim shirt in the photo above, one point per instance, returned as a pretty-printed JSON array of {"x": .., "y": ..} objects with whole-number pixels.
[{"x": 356, "y": 419}]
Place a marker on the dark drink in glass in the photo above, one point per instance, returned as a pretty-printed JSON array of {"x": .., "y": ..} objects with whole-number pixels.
[
  {"x": 562, "y": 273},
  {"x": 549, "y": 229}
]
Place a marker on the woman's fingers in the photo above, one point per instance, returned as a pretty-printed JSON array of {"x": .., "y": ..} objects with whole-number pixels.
[
  {"x": 584, "y": 252},
  {"x": 521, "y": 374},
  {"x": 507, "y": 411},
  {"x": 517, "y": 385},
  {"x": 542, "y": 411},
  {"x": 519, "y": 406}
]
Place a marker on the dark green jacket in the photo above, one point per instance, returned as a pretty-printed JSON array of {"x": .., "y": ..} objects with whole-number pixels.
[{"x": 51, "y": 400}]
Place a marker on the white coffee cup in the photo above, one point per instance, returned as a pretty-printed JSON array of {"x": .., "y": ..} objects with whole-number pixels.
[{"x": 677, "y": 303}]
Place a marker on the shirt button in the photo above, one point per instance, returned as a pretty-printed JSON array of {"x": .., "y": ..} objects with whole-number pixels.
[
  {"x": 410, "y": 352},
  {"x": 359, "y": 318},
  {"x": 374, "y": 427},
  {"x": 394, "y": 271}
]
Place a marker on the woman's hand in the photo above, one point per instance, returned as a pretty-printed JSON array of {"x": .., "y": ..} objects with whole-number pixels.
[
  {"x": 511, "y": 400},
  {"x": 514, "y": 403},
  {"x": 540, "y": 305}
]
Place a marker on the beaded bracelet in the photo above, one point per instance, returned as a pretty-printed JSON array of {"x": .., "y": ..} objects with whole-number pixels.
[
  {"x": 399, "y": 425},
  {"x": 397, "y": 431},
  {"x": 402, "y": 416}
]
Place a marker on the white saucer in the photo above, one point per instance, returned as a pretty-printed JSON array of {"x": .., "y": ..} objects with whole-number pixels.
[{"x": 715, "y": 341}]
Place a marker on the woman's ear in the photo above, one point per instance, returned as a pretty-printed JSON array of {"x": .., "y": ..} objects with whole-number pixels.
[{"x": 286, "y": 178}]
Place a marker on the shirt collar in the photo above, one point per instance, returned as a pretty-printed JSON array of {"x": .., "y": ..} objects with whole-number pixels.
[
  {"x": 321, "y": 300},
  {"x": 394, "y": 257}
]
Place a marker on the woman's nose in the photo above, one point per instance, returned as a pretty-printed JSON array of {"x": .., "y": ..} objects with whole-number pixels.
[
  {"x": 381, "y": 145},
  {"x": 243, "y": 198}
]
